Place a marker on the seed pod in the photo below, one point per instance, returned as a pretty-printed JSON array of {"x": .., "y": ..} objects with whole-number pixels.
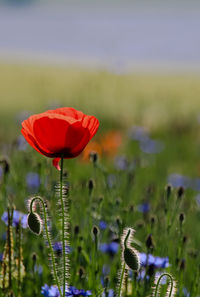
[
  {"x": 35, "y": 223},
  {"x": 131, "y": 259}
]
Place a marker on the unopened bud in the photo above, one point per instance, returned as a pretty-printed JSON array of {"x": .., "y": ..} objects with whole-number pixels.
[
  {"x": 34, "y": 223},
  {"x": 149, "y": 242},
  {"x": 95, "y": 230},
  {"x": 180, "y": 192},
  {"x": 181, "y": 218},
  {"x": 93, "y": 157},
  {"x": 76, "y": 230},
  {"x": 168, "y": 191}
]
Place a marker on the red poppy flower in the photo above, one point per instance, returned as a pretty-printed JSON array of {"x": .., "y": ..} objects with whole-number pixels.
[{"x": 63, "y": 132}]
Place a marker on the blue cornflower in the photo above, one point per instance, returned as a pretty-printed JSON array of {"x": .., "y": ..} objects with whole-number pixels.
[
  {"x": 138, "y": 133},
  {"x": 110, "y": 248},
  {"x": 121, "y": 163},
  {"x": 150, "y": 146},
  {"x": 178, "y": 180},
  {"x": 102, "y": 225},
  {"x": 158, "y": 262},
  {"x": 144, "y": 207},
  {"x": 57, "y": 247},
  {"x": 33, "y": 181},
  {"x": 72, "y": 291},
  {"x": 110, "y": 293},
  {"x": 53, "y": 291},
  {"x": 111, "y": 180},
  {"x": 16, "y": 217},
  {"x": 21, "y": 143}
]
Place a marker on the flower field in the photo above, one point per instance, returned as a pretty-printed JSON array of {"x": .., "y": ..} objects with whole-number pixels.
[{"x": 117, "y": 213}]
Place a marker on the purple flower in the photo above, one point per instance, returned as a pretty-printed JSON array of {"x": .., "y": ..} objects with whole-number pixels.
[
  {"x": 53, "y": 291},
  {"x": 33, "y": 181},
  {"x": 158, "y": 262},
  {"x": 102, "y": 225},
  {"x": 138, "y": 133},
  {"x": 144, "y": 208},
  {"x": 57, "y": 247},
  {"x": 121, "y": 163},
  {"x": 150, "y": 146},
  {"x": 72, "y": 291},
  {"x": 111, "y": 180},
  {"x": 178, "y": 180},
  {"x": 110, "y": 293},
  {"x": 17, "y": 215},
  {"x": 21, "y": 143},
  {"x": 110, "y": 248}
]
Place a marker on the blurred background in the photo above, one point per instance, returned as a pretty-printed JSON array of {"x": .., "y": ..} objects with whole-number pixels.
[{"x": 125, "y": 61}]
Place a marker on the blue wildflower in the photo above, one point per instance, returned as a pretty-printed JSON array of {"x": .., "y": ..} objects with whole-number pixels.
[
  {"x": 144, "y": 208},
  {"x": 33, "y": 181},
  {"x": 110, "y": 293},
  {"x": 111, "y": 180},
  {"x": 157, "y": 262},
  {"x": 72, "y": 291},
  {"x": 53, "y": 291},
  {"x": 57, "y": 247},
  {"x": 121, "y": 163},
  {"x": 102, "y": 225},
  {"x": 178, "y": 180},
  {"x": 17, "y": 215},
  {"x": 21, "y": 143},
  {"x": 138, "y": 133},
  {"x": 110, "y": 248},
  {"x": 150, "y": 146}
]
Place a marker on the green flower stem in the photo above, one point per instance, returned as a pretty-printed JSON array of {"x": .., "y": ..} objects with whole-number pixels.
[
  {"x": 171, "y": 284},
  {"x": 48, "y": 239},
  {"x": 121, "y": 280},
  {"x": 63, "y": 225},
  {"x": 19, "y": 231}
]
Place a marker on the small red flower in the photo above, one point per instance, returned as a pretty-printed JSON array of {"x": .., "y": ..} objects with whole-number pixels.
[{"x": 63, "y": 132}]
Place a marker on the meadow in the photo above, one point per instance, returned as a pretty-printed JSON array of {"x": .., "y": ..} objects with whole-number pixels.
[{"x": 146, "y": 177}]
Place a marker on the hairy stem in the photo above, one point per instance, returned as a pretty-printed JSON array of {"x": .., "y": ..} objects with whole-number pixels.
[
  {"x": 48, "y": 239},
  {"x": 63, "y": 225},
  {"x": 171, "y": 284},
  {"x": 121, "y": 280}
]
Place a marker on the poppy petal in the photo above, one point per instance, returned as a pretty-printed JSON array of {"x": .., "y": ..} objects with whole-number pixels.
[{"x": 56, "y": 163}]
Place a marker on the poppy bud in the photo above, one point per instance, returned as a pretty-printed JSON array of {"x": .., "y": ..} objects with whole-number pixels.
[
  {"x": 6, "y": 166},
  {"x": 95, "y": 230},
  {"x": 131, "y": 256},
  {"x": 149, "y": 242},
  {"x": 34, "y": 223},
  {"x": 182, "y": 264},
  {"x": 93, "y": 157},
  {"x": 168, "y": 191},
  {"x": 79, "y": 248},
  {"x": 181, "y": 218},
  {"x": 180, "y": 192},
  {"x": 90, "y": 185},
  {"x": 34, "y": 257},
  {"x": 131, "y": 259},
  {"x": 76, "y": 230},
  {"x": 81, "y": 272},
  {"x": 185, "y": 239}
]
